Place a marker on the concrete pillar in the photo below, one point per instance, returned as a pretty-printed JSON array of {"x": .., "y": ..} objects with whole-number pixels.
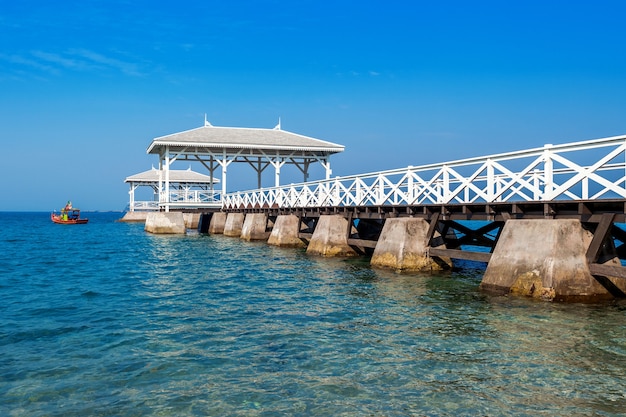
[
  {"x": 330, "y": 237},
  {"x": 234, "y": 224},
  {"x": 165, "y": 223},
  {"x": 218, "y": 222},
  {"x": 135, "y": 217},
  {"x": 545, "y": 259},
  {"x": 403, "y": 245},
  {"x": 255, "y": 227},
  {"x": 285, "y": 232},
  {"x": 191, "y": 220}
]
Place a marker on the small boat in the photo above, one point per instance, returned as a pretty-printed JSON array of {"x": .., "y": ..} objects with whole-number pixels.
[{"x": 68, "y": 216}]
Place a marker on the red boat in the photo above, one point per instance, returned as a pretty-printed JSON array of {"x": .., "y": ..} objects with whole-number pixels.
[{"x": 68, "y": 216}]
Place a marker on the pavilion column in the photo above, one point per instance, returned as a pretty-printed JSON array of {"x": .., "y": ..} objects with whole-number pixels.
[
  {"x": 305, "y": 171},
  {"x": 167, "y": 179},
  {"x": 132, "y": 196},
  {"x": 277, "y": 165},
  {"x": 212, "y": 172},
  {"x": 224, "y": 163},
  {"x": 160, "y": 189},
  {"x": 224, "y": 171},
  {"x": 326, "y": 164}
]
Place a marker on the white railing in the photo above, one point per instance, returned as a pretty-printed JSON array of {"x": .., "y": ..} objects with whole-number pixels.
[
  {"x": 589, "y": 170},
  {"x": 191, "y": 198},
  {"x": 194, "y": 196},
  {"x": 145, "y": 206}
]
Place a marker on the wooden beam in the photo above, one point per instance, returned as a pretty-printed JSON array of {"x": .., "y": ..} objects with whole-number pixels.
[
  {"x": 608, "y": 270},
  {"x": 599, "y": 236},
  {"x": 363, "y": 243},
  {"x": 461, "y": 254},
  {"x": 432, "y": 226}
]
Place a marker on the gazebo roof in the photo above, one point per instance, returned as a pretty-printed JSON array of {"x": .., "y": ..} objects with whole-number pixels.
[
  {"x": 234, "y": 139},
  {"x": 183, "y": 176}
]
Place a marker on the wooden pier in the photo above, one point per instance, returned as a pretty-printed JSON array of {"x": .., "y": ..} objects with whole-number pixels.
[{"x": 545, "y": 221}]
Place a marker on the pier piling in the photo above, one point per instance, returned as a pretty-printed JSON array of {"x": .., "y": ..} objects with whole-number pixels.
[{"x": 403, "y": 246}]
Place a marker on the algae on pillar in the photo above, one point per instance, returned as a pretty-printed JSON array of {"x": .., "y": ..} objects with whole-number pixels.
[{"x": 403, "y": 246}]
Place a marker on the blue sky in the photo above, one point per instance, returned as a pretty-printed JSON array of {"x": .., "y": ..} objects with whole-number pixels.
[{"x": 86, "y": 85}]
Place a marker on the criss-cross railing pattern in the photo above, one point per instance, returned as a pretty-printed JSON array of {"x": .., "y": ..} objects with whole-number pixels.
[{"x": 589, "y": 170}]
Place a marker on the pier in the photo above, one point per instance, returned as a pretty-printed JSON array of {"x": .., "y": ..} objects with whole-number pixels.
[{"x": 545, "y": 221}]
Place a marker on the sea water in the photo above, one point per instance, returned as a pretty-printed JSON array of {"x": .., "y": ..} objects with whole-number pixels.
[{"x": 105, "y": 319}]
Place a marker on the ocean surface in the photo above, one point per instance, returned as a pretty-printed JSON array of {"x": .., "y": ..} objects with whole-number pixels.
[{"x": 105, "y": 319}]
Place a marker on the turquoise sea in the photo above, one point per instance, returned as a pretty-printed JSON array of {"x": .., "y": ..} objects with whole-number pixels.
[{"x": 105, "y": 319}]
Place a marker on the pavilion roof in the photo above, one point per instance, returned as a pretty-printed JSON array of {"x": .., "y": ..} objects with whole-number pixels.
[
  {"x": 233, "y": 139},
  {"x": 176, "y": 176}
]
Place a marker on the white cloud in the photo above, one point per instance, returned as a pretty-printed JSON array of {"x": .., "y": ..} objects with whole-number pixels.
[
  {"x": 82, "y": 60},
  {"x": 58, "y": 60},
  {"x": 21, "y": 61},
  {"x": 127, "y": 68}
]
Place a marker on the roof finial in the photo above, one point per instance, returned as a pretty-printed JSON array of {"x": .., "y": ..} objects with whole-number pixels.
[
  {"x": 277, "y": 127},
  {"x": 206, "y": 122}
]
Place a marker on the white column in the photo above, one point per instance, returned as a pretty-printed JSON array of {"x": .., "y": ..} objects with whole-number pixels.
[
  {"x": 167, "y": 179},
  {"x": 305, "y": 171},
  {"x": 277, "y": 164},
  {"x": 160, "y": 190},
  {"x": 132, "y": 197},
  {"x": 326, "y": 164},
  {"x": 224, "y": 164}
]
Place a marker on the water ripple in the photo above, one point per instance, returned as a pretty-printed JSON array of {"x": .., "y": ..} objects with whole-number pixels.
[{"x": 135, "y": 324}]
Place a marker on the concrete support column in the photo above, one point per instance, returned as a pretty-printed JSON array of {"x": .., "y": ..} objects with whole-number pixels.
[
  {"x": 330, "y": 237},
  {"x": 234, "y": 224},
  {"x": 403, "y": 246},
  {"x": 546, "y": 259},
  {"x": 285, "y": 232},
  {"x": 191, "y": 220},
  {"x": 134, "y": 217},
  {"x": 165, "y": 223},
  {"x": 218, "y": 223},
  {"x": 255, "y": 227}
]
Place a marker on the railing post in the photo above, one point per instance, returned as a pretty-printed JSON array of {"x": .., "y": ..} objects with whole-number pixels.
[
  {"x": 548, "y": 173},
  {"x": 445, "y": 192},
  {"x": 536, "y": 185},
  {"x": 491, "y": 182},
  {"x": 410, "y": 185}
]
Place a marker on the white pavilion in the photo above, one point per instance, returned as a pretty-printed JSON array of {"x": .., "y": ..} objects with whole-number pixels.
[
  {"x": 188, "y": 189},
  {"x": 218, "y": 147}
]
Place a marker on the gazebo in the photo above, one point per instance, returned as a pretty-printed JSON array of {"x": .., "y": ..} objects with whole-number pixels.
[
  {"x": 217, "y": 147},
  {"x": 187, "y": 189}
]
